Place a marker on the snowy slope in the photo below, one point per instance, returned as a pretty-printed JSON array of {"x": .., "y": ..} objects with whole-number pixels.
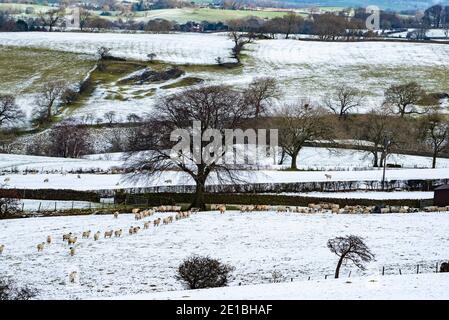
[
  {"x": 256, "y": 244},
  {"x": 406, "y": 287}
]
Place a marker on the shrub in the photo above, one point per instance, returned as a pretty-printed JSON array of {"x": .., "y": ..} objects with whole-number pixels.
[
  {"x": 9, "y": 291},
  {"x": 203, "y": 272}
]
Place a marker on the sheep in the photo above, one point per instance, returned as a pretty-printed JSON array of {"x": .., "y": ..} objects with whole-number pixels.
[
  {"x": 131, "y": 230},
  {"x": 156, "y": 222},
  {"x": 46, "y": 180},
  {"x": 281, "y": 209},
  {"x": 108, "y": 234},
  {"x": 72, "y": 276},
  {"x": 78, "y": 176},
  {"x": 72, "y": 240},
  {"x": 2, "y": 247},
  {"x": 48, "y": 239},
  {"x": 97, "y": 236},
  {"x": 7, "y": 180},
  {"x": 66, "y": 237},
  {"x": 40, "y": 247},
  {"x": 72, "y": 251},
  {"x": 328, "y": 176},
  {"x": 146, "y": 225},
  {"x": 135, "y": 210},
  {"x": 222, "y": 209},
  {"x": 118, "y": 233},
  {"x": 116, "y": 214},
  {"x": 86, "y": 234},
  {"x": 137, "y": 216},
  {"x": 136, "y": 229}
]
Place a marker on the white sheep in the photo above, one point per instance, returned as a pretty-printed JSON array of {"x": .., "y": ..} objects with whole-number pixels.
[
  {"x": 40, "y": 247},
  {"x": 2, "y": 247}
]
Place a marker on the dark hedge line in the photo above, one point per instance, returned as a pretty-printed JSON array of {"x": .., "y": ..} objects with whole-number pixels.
[
  {"x": 50, "y": 194},
  {"x": 154, "y": 199}
]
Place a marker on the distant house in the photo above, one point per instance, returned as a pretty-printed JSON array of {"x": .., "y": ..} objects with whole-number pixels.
[{"x": 441, "y": 196}]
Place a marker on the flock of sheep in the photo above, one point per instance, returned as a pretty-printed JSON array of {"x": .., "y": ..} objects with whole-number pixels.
[{"x": 72, "y": 239}]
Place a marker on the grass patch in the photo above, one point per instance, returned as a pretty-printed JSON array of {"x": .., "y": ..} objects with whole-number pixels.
[{"x": 188, "y": 81}]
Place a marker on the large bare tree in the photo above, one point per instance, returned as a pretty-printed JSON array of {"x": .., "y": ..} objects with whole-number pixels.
[
  {"x": 69, "y": 140},
  {"x": 350, "y": 249},
  {"x": 51, "y": 18},
  {"x": 214, "y": 107},
  {"x": 435, "y": 134},
  {"x": 403, "y": 98},
  {"x": 299, "y": 123}
]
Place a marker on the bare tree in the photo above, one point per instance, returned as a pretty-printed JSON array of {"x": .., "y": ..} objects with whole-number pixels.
[
  {"x": 350, "y": 249},
  {"x": 84, "y": 15},
  {"x": 47, "y": 101},
  {"x": 10, "y": 112},
  {"x": 69, "y": 140},
  {"x": 402, "y": 99},
  {"x": 240, "y": 40},
  {"x": 51, "y": 18},
  {"x": 215, "y": 107},
  {"x": 345, "y": 100},
  {"x": 291, "y": 23},
  {"x": 9, "y": 202},
  {"x": 260, "y": 93},
  {"x": 110, "y": 117},
  {"x": 298, "y": 124},
  {"x": 435, "y": 134}
]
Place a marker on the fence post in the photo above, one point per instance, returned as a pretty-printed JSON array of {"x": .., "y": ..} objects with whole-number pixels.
[
  {"x": 417, "y": 269},
  {"x": 436, "y": 268},
  {"x": 23, "y": 206},
  {"x": 400, "y": 272},
  {"x": 39, "y": 209},
  {"x": 325, "y": 276},
  {"x": 383, "y": 270},
  {"x": 55, "y": 206},
  {"x": 349, "y": 276}
]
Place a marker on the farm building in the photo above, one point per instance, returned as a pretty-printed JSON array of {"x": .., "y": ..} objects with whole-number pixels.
[{"x": 441, "y": 196}]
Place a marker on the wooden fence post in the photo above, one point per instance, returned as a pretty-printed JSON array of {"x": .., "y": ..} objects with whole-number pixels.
[{"x": 383, "y": 270}]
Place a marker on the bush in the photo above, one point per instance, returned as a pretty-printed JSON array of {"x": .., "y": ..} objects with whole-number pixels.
[
  {"x": 444, "y": 267},
  {"x": 203, "y": 272},
  {"x": 8, "y": 291}
]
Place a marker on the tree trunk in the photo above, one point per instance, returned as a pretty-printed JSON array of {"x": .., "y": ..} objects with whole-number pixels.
[
  {"x": 293, "y": 165},
  {"x": 376, "y": 159},
  {"x": 434, "y": 160},
  {"x": 337, "y": 271},
  {"x": 199, "y": 201}
]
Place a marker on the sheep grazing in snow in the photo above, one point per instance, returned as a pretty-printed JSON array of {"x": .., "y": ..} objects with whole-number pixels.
[
  {"x": 146, "y": 225},
  {"x": 2, "y": 247},
  {"x": 222, "y": 209},
  {"x": 46, "y": 180},
  {"x": 118, "y": 233},
  {"x": 156, "y": 222},
  {"x": 72, "y": 251},
  {"x": 137, "y": 216},
  {"x": 48, "y": 239},
  {"x": 78, "y": 176},
  {"x": 135, "y": 210},
  {"x": 131, "y": 230},
  {"x": 116, "y": 214},
  {"x": 136, "y": 229},
  {"x": 7, "y": 180},
  {"x": 66, "y": 237},
  {"x": 40, "y": 247},
  {"x": 72, "y": 240},
  {"x": 86, "y": 234},
  {"x": 108, "y": 234},
  {"x": 72, "y": 276},
  {"x": 328, "y": 176}
]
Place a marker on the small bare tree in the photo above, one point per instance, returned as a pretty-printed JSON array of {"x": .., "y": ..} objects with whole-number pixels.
[
  {"x": 69, "y": 140},
  {"x": 345, "y": 100},
  {"x": 51, "y": 18},
  {"x": 10, "y": 113},
  {"x": 240, "y": 40},
  {"x": 435, "y": 134},
  {"x": 350, "y": 249},
  {"x": 260, "y": 93},
  {"x": 297, "y": 124},
  {"x": 9, "y": 202},
  {"x": 47, "y": 101},
  {"x": 110, "y": 117},
  {"x": 403, "y": 98}
]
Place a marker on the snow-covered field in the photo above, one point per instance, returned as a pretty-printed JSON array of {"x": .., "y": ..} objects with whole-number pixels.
[
  {"x": 174, "y": 178},
  {"x": 310, "y": 158},
  {"x": 374, "y": 195},
  {"x": 304, "y": 69},
  {"x": 400, "y": 287},
  {"x": 256, "y": 244}
]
